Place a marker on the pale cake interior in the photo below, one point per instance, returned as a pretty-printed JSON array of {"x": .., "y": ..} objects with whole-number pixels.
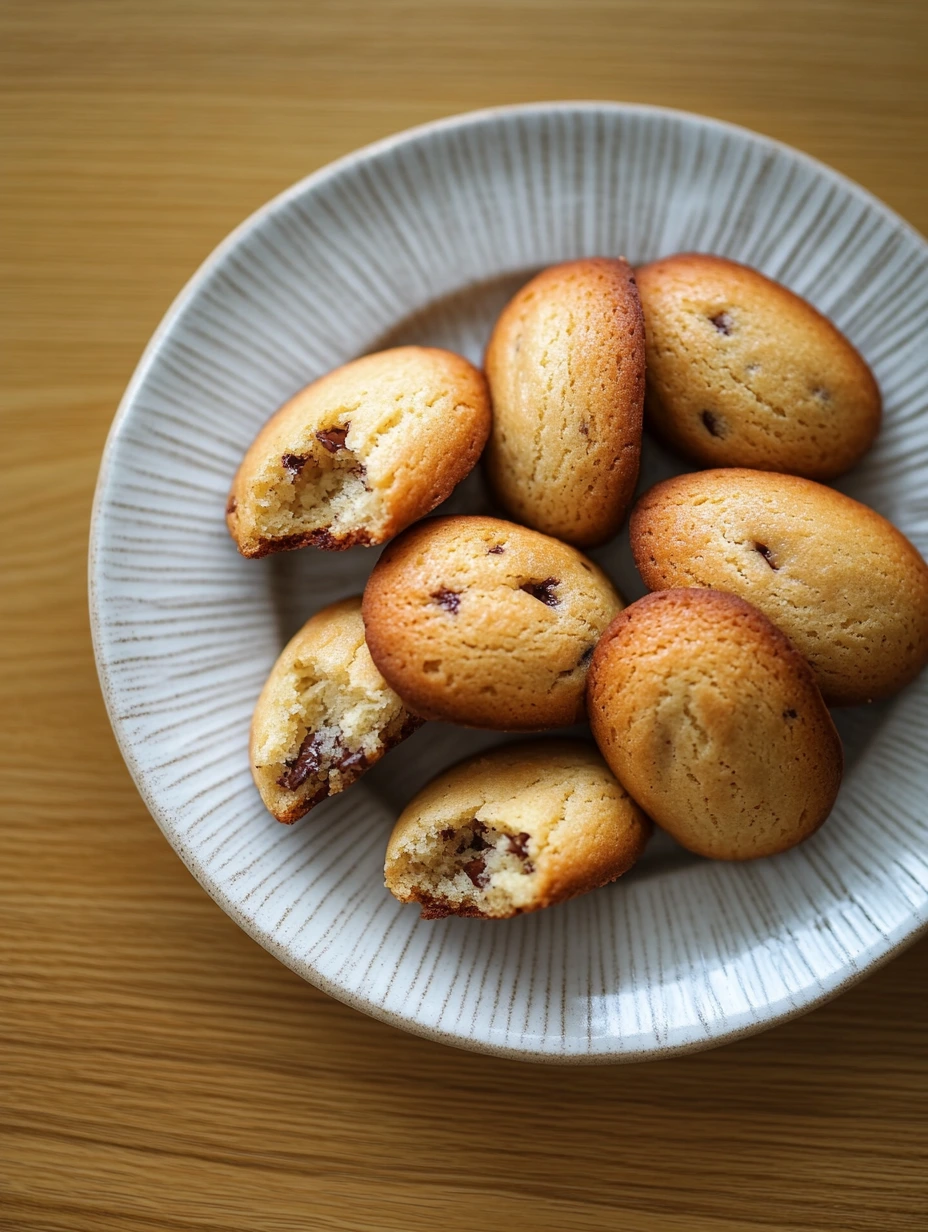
[
  {"x": 319, "y": 484},
  {"x": 467, "y": 867}
]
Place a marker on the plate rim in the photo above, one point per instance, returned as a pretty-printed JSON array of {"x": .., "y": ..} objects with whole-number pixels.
[{"x": 162, "y": 815}]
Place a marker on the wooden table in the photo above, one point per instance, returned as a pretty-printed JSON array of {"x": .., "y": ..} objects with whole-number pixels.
[{"x": 158, "y": 1069}]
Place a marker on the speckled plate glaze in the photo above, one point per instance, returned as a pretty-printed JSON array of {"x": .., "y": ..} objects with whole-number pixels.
[{"x": 422, "y": 238}]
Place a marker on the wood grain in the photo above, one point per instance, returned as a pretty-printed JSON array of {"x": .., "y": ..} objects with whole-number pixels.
[{"x": 158, "y": 1069}]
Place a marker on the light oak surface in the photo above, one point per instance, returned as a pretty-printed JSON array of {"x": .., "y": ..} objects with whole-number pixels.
[{"x": 158, "y": 1070}]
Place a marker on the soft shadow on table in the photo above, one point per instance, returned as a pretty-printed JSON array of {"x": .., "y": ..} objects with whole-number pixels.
[{"x": 667, "y": 1136}]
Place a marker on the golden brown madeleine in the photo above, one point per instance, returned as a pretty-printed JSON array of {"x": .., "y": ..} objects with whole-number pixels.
[
  {"x": 479, "y": 621},
  {"x": 742, "y": 372},
  {"x": 566, "y": 370},
  {"x": 514, "y": 830},
  {"x": 713, "y": 723},
  {"x": 847, "y": 588},
  {"x": 324, "y": 716},
  {"x": 361, "y": 453}
]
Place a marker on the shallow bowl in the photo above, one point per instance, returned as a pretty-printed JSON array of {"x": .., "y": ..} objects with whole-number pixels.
[{"x": 422, "y": 238}]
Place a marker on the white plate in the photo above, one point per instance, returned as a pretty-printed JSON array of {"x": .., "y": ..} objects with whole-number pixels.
[{"x": 422, "y": 238}]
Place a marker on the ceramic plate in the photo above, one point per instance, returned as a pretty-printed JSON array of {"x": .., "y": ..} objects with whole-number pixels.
[{"x": 422, "y": 238}]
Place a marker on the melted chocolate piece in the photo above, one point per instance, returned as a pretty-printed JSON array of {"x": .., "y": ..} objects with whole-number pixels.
[
  {"x": 518, "y": 845},
  {"x": 294, "y": 462},
  {"x": 790, "y": 714},
  {"x": 767, "y": 554},
  {"x": 357, "y": 758},
  {"x": 496, "y": 550},
  {"x": 308, "y": 761},
  {"x": 232, "y": 505},
  {"x": 478, "y": 842},
  {"x": 450, "y": 600},
  {"x": 586, "y": 656},
  {"x": 584, "y": 429},
  {"x": 447, "y": 834},
  {"x": 302, "y": 766},
  {"x": 714, "y": 424},
  {"x": 723, "y": 323},
  {"x": 352, "y": 765},
  {"x": 333, "y": 439},
  {"x": 475, "y": 842},
  {"x": 476, "y": 871},
  {"x": 323, "y": 539},
  {"x": 543, "y": 591},
  {"x": 438, "y": 909},
  {"x": 330, "y": 543}
]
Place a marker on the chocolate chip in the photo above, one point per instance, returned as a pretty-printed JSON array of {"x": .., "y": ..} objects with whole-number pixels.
[
  {"x": 586, "y": 656},
  {"x": 446, "y": 834},
  {"x": 351, "y": 761},
  {"x": 474, "y": 842},
  {"x": 715, "y": 425},
  {"x": 476, "y": 871},
  {"x": 723, "y": 323},
  {"x": 299, "y": 768},
  {"x": 333, "y": 439},
  {"x": 496, "y": 550},
  {"x": 450, "y": 600},
  {"x": 790, "y": 714},
  {"x": 518, "y": 844},
  {"x": 232, "y": 505},
  {"x": 584, "y": 429},
  {"x": 767, "y": 554},
  {"x": 317, "y": 797},
  {"x": 294, "y": 462},
  {"x": 543, "y": 591},
  {"x": 328, "y": 542}
]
